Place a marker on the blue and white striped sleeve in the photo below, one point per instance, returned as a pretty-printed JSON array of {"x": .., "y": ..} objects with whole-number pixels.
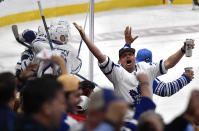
[
  {"x": 163, "y": 89},
  {"x": 107, "y": 67}
]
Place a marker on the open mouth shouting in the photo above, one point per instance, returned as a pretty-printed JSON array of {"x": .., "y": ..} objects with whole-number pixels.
[{"x": 128, "y": 62}]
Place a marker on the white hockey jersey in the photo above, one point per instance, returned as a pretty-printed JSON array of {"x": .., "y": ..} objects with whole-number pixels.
[
  {"x": 126, "y": 84},
  {"x": 66, "y": 51}
]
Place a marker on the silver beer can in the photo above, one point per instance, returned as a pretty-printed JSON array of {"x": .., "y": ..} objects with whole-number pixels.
[
  {"x": 188, "y": 69},
  {"x": 188, "y": 48}
]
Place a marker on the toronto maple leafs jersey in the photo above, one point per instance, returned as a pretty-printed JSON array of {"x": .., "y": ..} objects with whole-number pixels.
[
  {"x": 66, "y": 51},
  {"x": 125, "y": 83}
]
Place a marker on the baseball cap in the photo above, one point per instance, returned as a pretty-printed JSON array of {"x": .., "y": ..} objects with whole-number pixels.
[
  {"x": 28, "y": 35},
  {"x": 144, "y": 55},
  {"x": 69, "y": 82},
  {"x": 101, "y": 99},
  {"x": 126, "y": 49}
]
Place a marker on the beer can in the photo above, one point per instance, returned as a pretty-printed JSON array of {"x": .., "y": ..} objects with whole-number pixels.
[
  {"x": 188, "y": 48},
  {"x": 188, "y": 69}
]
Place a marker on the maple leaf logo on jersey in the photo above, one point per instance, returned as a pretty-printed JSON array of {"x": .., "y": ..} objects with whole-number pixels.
[{"x": 136, "y": 95}]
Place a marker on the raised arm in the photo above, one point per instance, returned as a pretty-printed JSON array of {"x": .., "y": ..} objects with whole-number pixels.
[
  {"x": 60, "y": 61},
  {"x": 175, "y": 58},
  {"x": 144, "y": 85},
  {"x": 163, "y": 89},
  {"x": 96, "y": 52}
]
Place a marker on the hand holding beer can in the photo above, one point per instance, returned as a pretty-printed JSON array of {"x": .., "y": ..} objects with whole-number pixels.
[{"x": 188, "y": 48}]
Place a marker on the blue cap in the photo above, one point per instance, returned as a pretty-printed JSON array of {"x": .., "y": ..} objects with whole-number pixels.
[
  {"x": 29, "y": 35},
  {"x": 144, "y": 55}
]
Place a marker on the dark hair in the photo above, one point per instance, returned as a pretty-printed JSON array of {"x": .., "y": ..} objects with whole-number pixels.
[
  {"x": 146, "y": 126},
  {"x": 46, "y": 76},
  {"x": 87, "y": 87},
  {"x": 38, "y": 91},
  {"x": 7, "y": 87}
]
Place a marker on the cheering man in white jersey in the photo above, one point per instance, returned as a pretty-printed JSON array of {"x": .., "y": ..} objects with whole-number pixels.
[{"x": 123, "y": 76}]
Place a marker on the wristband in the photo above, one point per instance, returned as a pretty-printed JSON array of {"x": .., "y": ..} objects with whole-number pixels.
[{"x": 183, "y": 51}]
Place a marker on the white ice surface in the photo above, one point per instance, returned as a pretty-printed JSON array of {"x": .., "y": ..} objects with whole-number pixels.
[{"x": 162, "y": 29}]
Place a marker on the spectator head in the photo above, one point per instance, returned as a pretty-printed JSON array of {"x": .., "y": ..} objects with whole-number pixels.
[
  {"x": 144, "y": 55},
  {"x": 193, "y": 107},
  {"x": 71, "y": 90},
  {"x": 150, "y": 121},
  {"x": 7, "y": 89},
  {"x": 87, "y": 87},
  {"x": 127, "y": 58},
  {"x": 43, "y": 99},
  {"x": 97, "y": 107}
]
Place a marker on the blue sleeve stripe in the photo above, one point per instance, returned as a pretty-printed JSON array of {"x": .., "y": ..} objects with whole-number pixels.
[
  {"x": 172, "y": 88},
  {"x": 170, "y": 85},
  {"x": 162, "y": 92},
  {"x": 110, "y": 70},
  {"x": 179, "y": 82},
  {"x": 182, "y": 83},
  {"x": 160, "y": 66},
  {"x": 102, "y": 67},
  {"x": 177, "y": 85}
]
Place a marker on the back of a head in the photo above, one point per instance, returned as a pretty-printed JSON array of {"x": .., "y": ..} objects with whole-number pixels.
[
  {"x": 38, "y": 91},
  {"x": 101, "y": 99},
  {"x": 144, "y": 55},
  {"x": 7, "y": 87},
  {"x": 193, "y": 106},
  {"x": 150, "y": 121}
]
